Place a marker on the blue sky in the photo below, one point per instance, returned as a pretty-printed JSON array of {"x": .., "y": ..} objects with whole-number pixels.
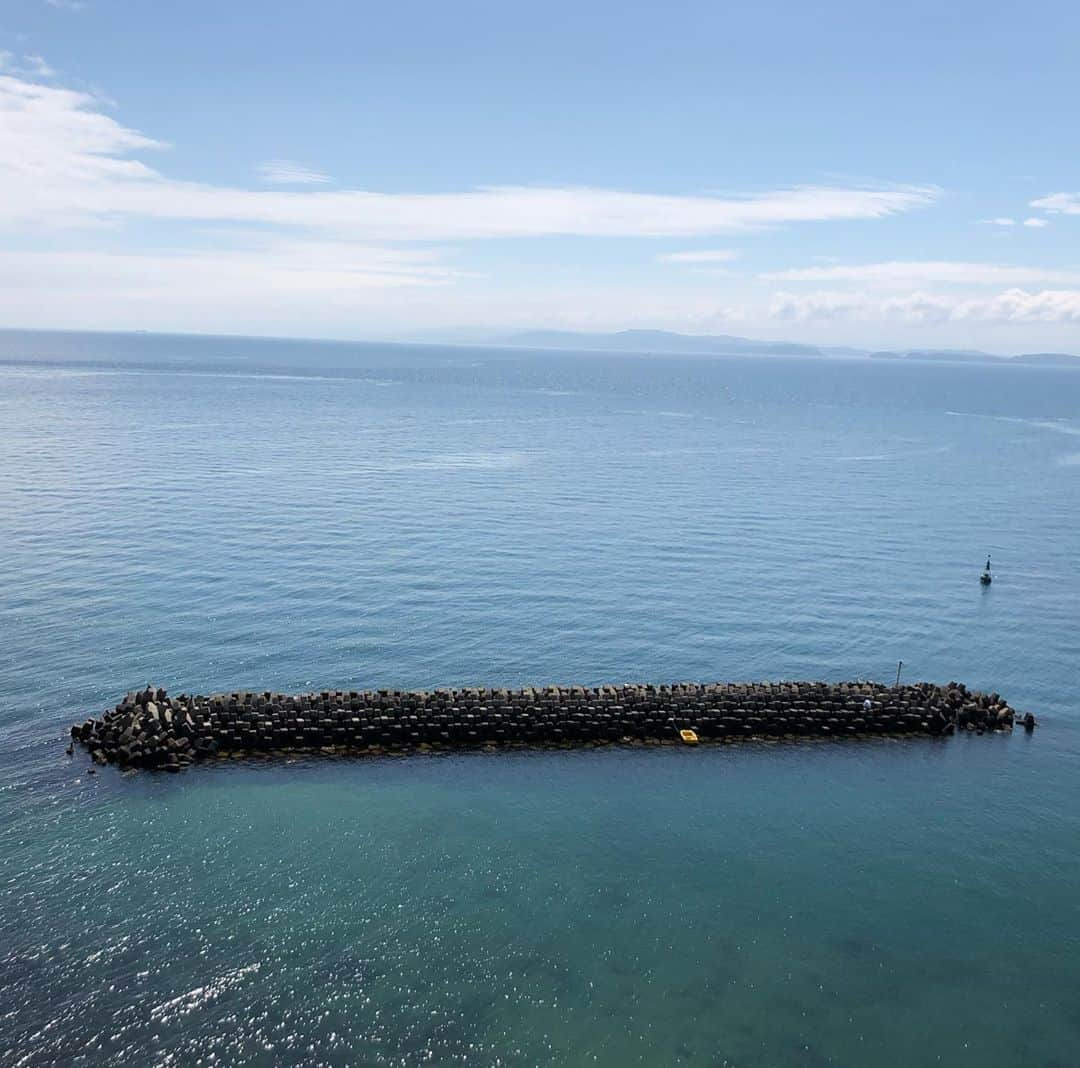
[{"x": 838, "y": 173}]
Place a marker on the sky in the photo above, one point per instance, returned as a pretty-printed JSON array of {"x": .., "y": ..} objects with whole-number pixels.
[{"x": 835, "y": 173}]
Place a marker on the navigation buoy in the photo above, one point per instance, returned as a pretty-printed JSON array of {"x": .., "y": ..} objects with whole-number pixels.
[{"x": 986, "y": 578}]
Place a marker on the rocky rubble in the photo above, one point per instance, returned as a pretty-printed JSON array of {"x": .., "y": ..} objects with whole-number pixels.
[{"x": 153, "y": 730}]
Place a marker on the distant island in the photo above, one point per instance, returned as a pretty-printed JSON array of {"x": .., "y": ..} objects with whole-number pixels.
[
  {"x": 658, "y": 341},
  {"x": 669, "y": 342},
  {"x": 1038, "y": 359}
]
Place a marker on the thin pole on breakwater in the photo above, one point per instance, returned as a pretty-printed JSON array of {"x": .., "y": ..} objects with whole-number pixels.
[{"x": 899, "y": 666}]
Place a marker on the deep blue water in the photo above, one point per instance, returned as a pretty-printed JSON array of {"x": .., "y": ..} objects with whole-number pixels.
[{"x": 214, "y": 514}]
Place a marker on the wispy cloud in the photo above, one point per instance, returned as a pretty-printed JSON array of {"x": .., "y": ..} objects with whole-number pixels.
[
  {"x": 64, "y": 161},
  {"x": 714, "y": 255},
  {"x": 258, "y": 264},
  {"x": 356, "y": 258},
  {"x": 320, "y": 288},
  {"x": 37, "y": 66},
  {"x": 28, "y": 66},
  {"x": 1059, "y": 203},
  {"x": 904, "y": 274},
  {"x": 1001, "y": 220},
  {"x": 1011, "y": 306},
  {"x": 67, "y": 5},
  {"x": 289, "y": 172},
  {"x": 1036, "y": 223}
]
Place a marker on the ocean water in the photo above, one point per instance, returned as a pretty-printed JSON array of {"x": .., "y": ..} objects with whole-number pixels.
[{"x": 214, "y": 514}]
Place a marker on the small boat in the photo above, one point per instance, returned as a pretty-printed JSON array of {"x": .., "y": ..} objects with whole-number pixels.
[{"x": 688, "y": 737}]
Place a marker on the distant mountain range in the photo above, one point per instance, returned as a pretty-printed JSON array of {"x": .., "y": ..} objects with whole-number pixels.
[{"x": 664, "y": 341}]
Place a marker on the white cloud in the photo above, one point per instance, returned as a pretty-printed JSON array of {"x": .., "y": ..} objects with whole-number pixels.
[
  {"x": 1011, "y": 306},
  {"x": 1001, "y": 220},
  {"x": 828, "y": 306},
  {"x": 55, "y": 137},
  {"x": 903, "y": 274},
  {"x": 288, "y": 172},
  {"x": 1059, "y": 203},
  {"x": 311, "y": 288},
  {"x": 319, "y": 260},
  {"x": 715, "y": 255},
  {"x": 332, "y": 288},
  {"x": 322, "y": 289},
  {"x": 1037, "y": 223},
  {"x": 266, "y": 266},
  {"x": 63, "y": 161},
  {"x": 1016, "y": 305},
  {"x": 67, "y": 5}
]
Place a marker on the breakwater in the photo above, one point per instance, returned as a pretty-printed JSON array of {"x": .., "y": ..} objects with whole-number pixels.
[{"x": 149, "y": 728}]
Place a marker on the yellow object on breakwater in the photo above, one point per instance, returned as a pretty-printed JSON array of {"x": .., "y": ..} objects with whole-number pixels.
[{"x": 688, "y": 737}]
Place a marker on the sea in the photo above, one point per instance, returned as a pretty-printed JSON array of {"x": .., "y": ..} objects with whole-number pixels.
[{"x": 209, "y": 514}]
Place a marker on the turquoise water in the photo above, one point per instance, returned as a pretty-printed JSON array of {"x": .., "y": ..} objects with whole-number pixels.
[{"x": 211, "y": 514}]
